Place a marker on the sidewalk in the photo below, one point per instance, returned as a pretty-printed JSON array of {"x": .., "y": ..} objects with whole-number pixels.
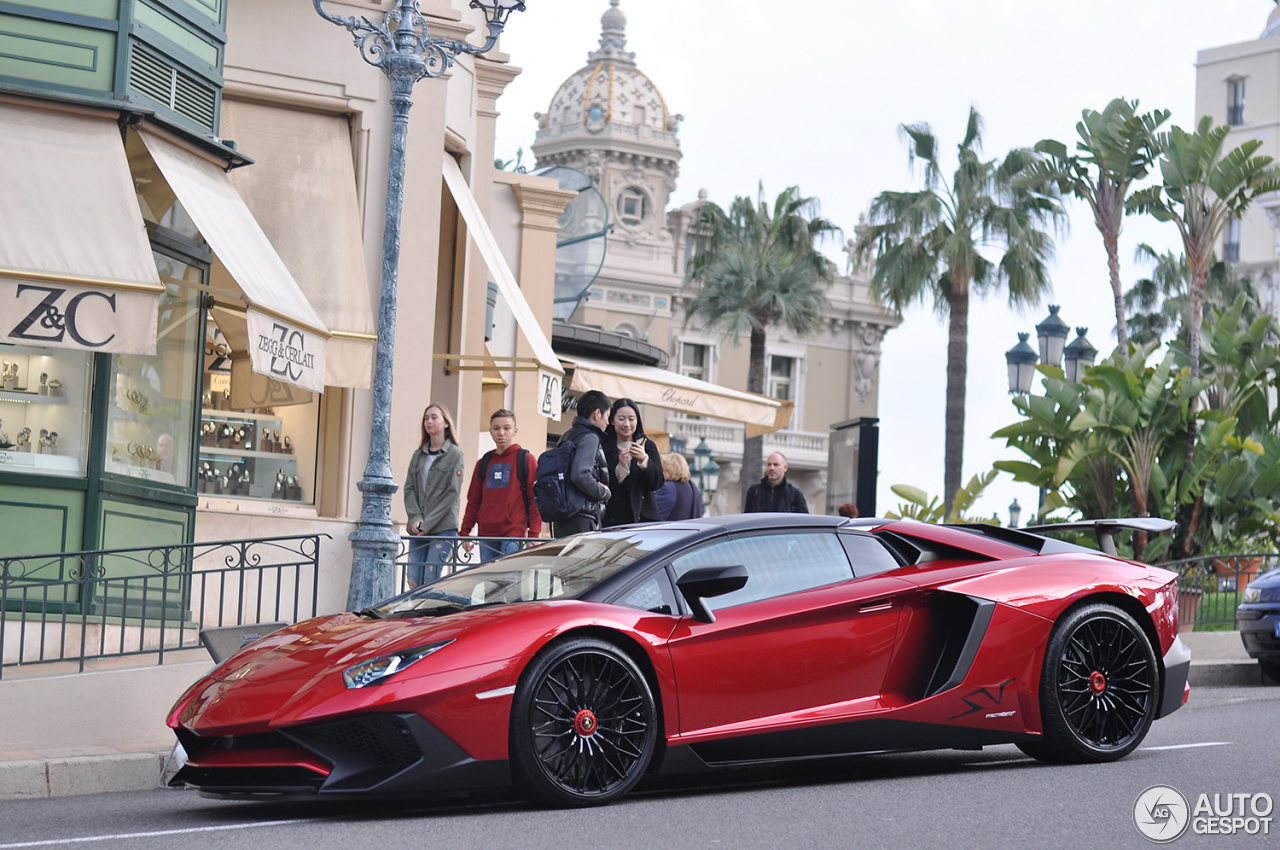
[{"x": 63, "y": 732}]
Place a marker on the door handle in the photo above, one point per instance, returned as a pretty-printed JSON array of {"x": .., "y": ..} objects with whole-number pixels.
[{"x": 873, "y": 607}]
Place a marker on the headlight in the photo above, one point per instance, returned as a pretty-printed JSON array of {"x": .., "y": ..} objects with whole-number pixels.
[
  {"x": 378, "y": 670},
  {"x": 1252, "y": 594}
]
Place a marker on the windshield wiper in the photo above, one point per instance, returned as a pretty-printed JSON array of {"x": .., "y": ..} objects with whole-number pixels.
[{"x": 371, "y": 613}]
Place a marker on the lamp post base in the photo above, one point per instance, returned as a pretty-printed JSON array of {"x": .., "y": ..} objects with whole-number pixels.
[{"x": 374, "y": 546}]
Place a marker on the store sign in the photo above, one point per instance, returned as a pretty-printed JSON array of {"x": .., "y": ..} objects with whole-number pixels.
[
  {"x": 550, "y": 391},
  {"x": 57, "y": 316},
  {"x": 286, "y": 353}
]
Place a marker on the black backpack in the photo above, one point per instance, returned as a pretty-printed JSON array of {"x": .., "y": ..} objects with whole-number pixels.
[
  {"x": 558, "y": 497},
  {"x": 522, "y": 474}
]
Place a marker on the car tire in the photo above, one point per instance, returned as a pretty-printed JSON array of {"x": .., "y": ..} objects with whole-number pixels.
[
  {"x": 1099, "y": 689},
  {"x": 1271, "y": 669},
  {"x": 584, "y": 725}
]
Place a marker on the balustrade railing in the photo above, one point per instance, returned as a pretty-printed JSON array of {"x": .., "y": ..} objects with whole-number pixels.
[{"x": 79, "y": 606}]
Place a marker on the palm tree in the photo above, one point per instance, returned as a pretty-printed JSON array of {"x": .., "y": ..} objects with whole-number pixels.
[
  {"x": 1159, "y": 303},
  {"x": 756, "y": 268},
  {"x": 1202, "y": 189},
  {"x": 928, "y": 247},
  {"x": 1116, "y": 147}
]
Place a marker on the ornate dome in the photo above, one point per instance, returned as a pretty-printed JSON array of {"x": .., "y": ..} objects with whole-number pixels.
[
  {"x": 609, "y": 92},
  {"x": 1273, "y": 24}
]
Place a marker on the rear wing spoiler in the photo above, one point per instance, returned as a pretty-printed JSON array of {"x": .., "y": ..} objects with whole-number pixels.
[{"x": 1106, "y": 529}]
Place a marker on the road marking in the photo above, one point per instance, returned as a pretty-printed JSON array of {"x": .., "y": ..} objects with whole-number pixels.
[
  {"x": 1191, "y": 746},
  {"x": 190, "y": 830}
]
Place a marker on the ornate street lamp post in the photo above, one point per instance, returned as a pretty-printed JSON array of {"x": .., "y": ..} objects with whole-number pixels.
[
  {"x": 1021, "y": 360},
  {"x": 1015, "y": 513},
  {"x": 402, "y": 49},
  {"x": 1052, "y": 334},
  {"x": 1078, "y": 356}
]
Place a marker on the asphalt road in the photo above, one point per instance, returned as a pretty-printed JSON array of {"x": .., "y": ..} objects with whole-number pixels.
[{"x": 1225, "y": 741}]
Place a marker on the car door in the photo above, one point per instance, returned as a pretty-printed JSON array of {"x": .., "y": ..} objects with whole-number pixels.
[{"x": 803, "y": 634}]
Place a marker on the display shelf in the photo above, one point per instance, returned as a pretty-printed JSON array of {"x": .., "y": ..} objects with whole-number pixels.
[
  {"x": 236, "y": 416},
  {"x": 217, "y": 452},
  {"x": 29, "y": 461},
  {"x": 31, "y": 398}
]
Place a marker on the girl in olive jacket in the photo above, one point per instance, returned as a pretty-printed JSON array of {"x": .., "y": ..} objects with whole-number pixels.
[{"x": 432, "y": 492}]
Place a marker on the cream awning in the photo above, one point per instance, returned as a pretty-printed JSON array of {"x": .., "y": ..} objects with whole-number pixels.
[
  {"x": 75, "y": 264},
  {"x": 285, "y": 338},
  {"x": 302, "y": 190},
  {"x": 550, "y": 370},
  {"x": 651, "y": 385}
]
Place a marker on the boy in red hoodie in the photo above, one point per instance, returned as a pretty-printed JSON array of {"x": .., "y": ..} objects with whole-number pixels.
[{"x": 501, "y": 500}]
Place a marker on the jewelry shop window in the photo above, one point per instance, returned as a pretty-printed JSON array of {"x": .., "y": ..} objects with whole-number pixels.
[
  {"x": 151, "y": 406},
  {"x": 258, "y": 437},
  {"x": 44, "y": 410}
]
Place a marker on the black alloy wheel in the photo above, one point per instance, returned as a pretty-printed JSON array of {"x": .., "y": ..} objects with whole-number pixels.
[
  {"x": 1099, "y": 689},
  {"x": 584, "y": 725}
]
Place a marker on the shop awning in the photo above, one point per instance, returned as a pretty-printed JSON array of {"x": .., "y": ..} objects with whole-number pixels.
[
  {"x": 286, "y": 340},
  {"x": 75, "y": 265},
  {"x": 549, "y": 368},
  {"x": 302, "y": 190},
  {"x": 651, "y": 385}
]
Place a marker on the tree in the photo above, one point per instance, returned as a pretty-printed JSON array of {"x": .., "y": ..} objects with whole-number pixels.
[
  {"x": 1203, "y": 188},
  {"x": 1159, "y": 304},
  {"x": 920, "y": 506},
  {"x": 1116, "y": 147},
  {"x": 928, "y": 247},
  {"x": 756, "y": 268}
]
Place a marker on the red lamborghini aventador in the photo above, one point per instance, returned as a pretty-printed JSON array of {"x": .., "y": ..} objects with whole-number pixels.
[{"x": 574, "y": 668}]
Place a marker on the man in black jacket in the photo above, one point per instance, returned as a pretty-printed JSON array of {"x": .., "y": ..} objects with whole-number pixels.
[
  {"x": 774, "y": 493},
  {"x": 590, "y": 472}
]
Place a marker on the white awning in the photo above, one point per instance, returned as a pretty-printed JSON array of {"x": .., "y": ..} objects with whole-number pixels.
[
  {"x": 286, "y": 339},
  {"x": 550, "y": 371},
  {"x": 302, "y": 190},
  {"x": 76, "y": 269},
  {"x": 651, "y": 385}
]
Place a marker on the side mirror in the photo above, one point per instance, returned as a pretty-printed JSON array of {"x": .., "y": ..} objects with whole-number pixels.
[{"x": 706, "y": 582}]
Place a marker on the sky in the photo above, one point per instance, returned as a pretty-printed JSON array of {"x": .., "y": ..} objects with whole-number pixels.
[{"x": 812, "y": 93}]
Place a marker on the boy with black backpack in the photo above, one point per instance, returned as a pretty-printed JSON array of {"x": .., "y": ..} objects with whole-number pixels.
[
  {"x": 501, "y": 501},
  {"x": 573, "y": 478}
]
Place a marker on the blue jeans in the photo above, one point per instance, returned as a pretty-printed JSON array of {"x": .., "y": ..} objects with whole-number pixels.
[
  {"x": 427, "y": 555},
  {"x": 493, "y": 549}
]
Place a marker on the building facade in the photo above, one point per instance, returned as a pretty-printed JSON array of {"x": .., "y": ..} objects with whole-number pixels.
[
  {"x": 609, "y": 121},
  {"x": 228, "y": 186},
  {"x": 1239, "y": 85}
]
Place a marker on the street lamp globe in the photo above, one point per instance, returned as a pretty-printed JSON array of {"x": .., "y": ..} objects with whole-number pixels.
[
  {"x": 710, "y": 477},
  {"x": 1015, "y": 513},
  {"x": 1078, "y": 356},
  {"x": 1052, "y": 334},
  {"x": 701, "y": 455},
  {"x": 1022, "y": 366}
]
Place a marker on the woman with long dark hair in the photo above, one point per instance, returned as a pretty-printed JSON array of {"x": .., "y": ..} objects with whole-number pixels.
[
  {"x": 635, "y": 467},
  {"x": 432, "y": 492}
]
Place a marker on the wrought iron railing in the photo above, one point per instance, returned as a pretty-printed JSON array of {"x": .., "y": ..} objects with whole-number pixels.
[
  {"x": 79, "y": 606},
  {"x": 1210, "y": 588},
  {"x": 451, "y": 554}
]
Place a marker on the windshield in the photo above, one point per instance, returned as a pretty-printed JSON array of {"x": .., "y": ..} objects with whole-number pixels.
[{"x": 558, "y": 569}]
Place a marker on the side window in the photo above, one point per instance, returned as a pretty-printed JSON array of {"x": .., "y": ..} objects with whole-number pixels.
[
  {"x": 654, "y": 594},
  {"x": 869, "y": 555},
  {"x": 777, "y": 564}
]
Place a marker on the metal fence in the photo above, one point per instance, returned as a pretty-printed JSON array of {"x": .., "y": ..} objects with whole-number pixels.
[
  {"x": 78, "y": 606},
  {"x": 1210, "y": 588},
  {"x": 451, "y": 554}
]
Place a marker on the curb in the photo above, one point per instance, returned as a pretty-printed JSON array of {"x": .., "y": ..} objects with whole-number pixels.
[
  {"x": 33, "y": 779},
  {"x": 1220, "y": 674}
]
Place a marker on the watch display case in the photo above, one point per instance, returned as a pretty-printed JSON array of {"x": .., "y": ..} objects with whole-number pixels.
[
  {"x": 252, "y": 456},
  {"x": 44, "y": 410}
]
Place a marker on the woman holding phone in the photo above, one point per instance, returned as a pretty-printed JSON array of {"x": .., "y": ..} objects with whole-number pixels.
[{"x": 635, "y": 467}]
